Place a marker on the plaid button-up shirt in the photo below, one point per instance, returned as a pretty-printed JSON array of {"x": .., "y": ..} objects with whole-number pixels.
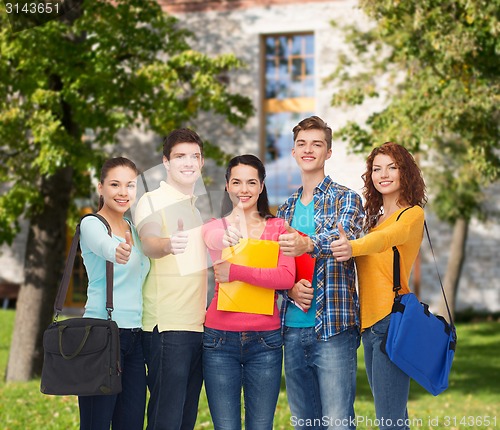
[{"x": 337, "y": 305}]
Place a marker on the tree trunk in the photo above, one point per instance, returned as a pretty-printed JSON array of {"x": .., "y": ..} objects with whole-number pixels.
[
  {"x": 44, "y": 261},
  {"x": 455, "y": 264}
]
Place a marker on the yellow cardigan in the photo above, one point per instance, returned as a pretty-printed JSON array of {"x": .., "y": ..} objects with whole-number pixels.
[{"x": 374, "y": 262}]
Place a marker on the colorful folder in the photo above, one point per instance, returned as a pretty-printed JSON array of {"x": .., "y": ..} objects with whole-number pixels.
[
  {"x": 240, "y": 296},
  {"x": 304, "y": 266}
]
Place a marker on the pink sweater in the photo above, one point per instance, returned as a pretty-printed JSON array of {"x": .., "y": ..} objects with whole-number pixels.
[{"x": 280, "y": 278}]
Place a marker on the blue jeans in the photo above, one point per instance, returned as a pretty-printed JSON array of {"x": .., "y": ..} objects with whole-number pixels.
[
  {"x": 174, "y": 378},
  {"x": 250, "y": 360},
  {"x": 390, "y": 386},
  {"x": 321, "y": 378},
  {"x": 126, "y": 409}
]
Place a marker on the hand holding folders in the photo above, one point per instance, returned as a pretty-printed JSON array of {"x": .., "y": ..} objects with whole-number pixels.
[
  {"x": 304, "y": 273},
  {"x": 238, "y": 296}
]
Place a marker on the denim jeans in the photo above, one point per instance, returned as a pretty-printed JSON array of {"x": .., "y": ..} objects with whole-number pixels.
[
  {"x": 174, "y": 378},
  {"x": 126, "y": 409},
  {"x": 390, "y": 386},
  {"x": 321, "y": 378},
  {"x": 250, "y": 360}
]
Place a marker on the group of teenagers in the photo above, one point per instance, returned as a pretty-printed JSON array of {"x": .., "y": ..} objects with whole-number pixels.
[{"x": 171, "y": 343}]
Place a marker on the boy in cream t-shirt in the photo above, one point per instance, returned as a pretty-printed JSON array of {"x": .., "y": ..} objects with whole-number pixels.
[{"x": 175, "y": 291}]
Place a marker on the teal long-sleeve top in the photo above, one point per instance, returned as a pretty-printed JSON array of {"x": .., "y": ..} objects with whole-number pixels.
[{"x": 97, "y": 247}]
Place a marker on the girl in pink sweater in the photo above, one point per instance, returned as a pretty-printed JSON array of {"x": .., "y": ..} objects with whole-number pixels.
[{"x": 243, "y": 350}]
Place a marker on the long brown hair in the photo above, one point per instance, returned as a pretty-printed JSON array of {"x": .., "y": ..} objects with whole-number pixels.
[
  {"x": 263, "y": 201},
  {"x": 412, "y": 183}
]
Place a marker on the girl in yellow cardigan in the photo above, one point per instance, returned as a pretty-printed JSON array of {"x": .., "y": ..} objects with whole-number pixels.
[{"x": 393, "y": 183}]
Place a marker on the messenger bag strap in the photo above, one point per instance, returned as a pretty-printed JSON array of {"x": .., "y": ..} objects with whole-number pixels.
[
  {"x": 437, "y": 271},
  {"x": 396, "y": 270},
  {"x": 68, "y": 269},
  {"x": 396, "y": 277}
]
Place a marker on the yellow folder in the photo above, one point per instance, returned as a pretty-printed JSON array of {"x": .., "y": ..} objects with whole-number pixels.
[{"x": 240, "y": 296}]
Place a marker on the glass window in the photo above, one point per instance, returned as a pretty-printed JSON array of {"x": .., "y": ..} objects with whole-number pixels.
[
  {"x": 269, "y": 46},
  {"x": 309, "y": 68},
  {"x": 282, "y": 47},
  {"x": 289, "y": 97},
  {"x": 309, "y": 41},
  {"x": 282, "y": 173}
]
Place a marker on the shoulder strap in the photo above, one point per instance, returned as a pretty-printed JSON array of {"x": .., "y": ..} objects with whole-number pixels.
[
  {"x": 68, "y": 269},
  {"x": 437, "y": 271},
  {"x": 396, "y": 269},
  {"x": 402, "y": 212},
  {"x": 396, "y": 278}
]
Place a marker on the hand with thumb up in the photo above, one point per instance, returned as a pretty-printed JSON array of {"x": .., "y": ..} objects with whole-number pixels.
[
  {"x": 179, "y": 240},
  {"x": 292, "y": 243},
  {"x": 232, "y": 234},
  {"x": 124, "y": 249},
  {"x": 341, "y": 248}
]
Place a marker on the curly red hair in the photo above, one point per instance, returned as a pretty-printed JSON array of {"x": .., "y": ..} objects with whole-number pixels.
[{"x": 411, "y": 180}]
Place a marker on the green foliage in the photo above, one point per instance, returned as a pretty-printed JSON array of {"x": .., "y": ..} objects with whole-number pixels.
[
  {"x": 439, "y": 64},
  {"x": 117, "y": 64}
]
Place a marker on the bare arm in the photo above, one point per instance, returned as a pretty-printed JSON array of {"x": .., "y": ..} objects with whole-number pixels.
[{"x": 155, "y": 246}]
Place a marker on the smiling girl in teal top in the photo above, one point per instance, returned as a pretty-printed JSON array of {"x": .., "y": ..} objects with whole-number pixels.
[
  {"x": 97, "y": 247},
  {"x": 117, "y": 189}
]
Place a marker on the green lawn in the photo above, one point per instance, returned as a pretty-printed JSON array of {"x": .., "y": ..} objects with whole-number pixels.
[{"x": 472, "y": 400}]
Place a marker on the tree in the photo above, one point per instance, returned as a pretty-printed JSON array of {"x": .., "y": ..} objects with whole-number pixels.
[
  {"x": 102, "y": 67},
  {"x": 440, "y": 67}
]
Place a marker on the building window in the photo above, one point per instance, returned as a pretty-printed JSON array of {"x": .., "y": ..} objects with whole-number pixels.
[{"x": 288, "y": 97}]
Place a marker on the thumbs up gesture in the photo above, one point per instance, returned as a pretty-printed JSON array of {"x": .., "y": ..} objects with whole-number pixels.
[
  {"x": 179, "y": 240},
  {"x": 341, "y": 248},
  {"x": 232, "y": 234},
  {"x": 128, "y": 238},
  {"x": 293, "y": 244},
  {"x": 124, "y": 249}
]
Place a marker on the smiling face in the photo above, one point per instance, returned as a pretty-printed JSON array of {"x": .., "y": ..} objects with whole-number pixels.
[
  {"x": 118, "y": 189},
  {"x": 386, "y": 175},
  {"x": 310, "y": 150},
  {"x": 184, "y": 166},
  {"x": 244, "y": 187}
]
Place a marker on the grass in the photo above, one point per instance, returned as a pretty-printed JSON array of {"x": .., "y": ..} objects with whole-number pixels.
[{"x": 473, "y": 394}]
